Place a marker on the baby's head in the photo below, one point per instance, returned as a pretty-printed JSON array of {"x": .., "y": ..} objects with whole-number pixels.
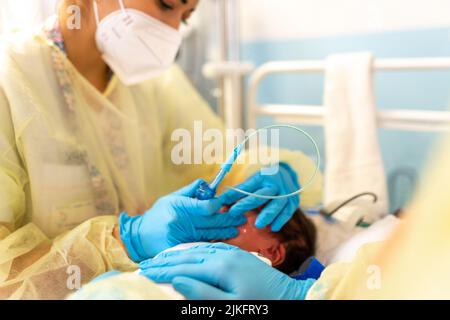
[{"x": 286, "y": 249}]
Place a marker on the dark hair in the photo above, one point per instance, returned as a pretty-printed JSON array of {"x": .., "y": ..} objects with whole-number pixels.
[{"x": 298, "y": 236}]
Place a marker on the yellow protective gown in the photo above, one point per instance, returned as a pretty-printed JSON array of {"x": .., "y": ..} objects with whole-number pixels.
[
  {"x": 125, "y": 286},
  {"x": 412, "y": 264},
  {"x": 72, "y": 158}
]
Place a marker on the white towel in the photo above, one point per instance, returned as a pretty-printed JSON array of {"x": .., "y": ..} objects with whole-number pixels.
[{"x": 353, "y": 158}]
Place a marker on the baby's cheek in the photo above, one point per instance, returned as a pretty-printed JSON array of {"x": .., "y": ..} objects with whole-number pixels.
[{"x": 243, "y": 239}]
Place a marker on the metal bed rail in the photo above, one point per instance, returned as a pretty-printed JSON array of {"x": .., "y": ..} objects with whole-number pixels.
[{"x": 400, "y": 119}]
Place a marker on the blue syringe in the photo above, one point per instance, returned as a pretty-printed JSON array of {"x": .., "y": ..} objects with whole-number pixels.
[{"x": 207, "y": 191}]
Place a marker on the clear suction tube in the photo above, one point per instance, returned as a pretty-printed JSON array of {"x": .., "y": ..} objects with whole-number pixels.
[{"x": 310, "y": 180}]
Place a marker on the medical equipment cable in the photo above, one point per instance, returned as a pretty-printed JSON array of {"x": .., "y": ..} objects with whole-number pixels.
[
  {"x": 346, "y": 202},
  {"x": 360, "y": 223},
  {"x": 306, "y": 185},
  {"x": 207, "y": 191}
]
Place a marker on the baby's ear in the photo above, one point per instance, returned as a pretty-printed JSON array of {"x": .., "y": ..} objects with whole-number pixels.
[{"x": 276, "y": 254}]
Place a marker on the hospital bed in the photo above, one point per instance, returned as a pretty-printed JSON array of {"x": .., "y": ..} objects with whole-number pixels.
[{"x": 345, "y": 242}]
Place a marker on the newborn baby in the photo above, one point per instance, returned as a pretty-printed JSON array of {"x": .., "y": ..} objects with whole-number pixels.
[{"x": 287, "y": 249}]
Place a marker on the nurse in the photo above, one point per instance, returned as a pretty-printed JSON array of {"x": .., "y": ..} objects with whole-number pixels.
[{"x": 86, "y": 177}]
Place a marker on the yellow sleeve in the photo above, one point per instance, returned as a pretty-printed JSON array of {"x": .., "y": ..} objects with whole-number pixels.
[
  {"x": 185, "y": 109},
  {"x": 125, "y": 286},
  {"x": 31, "y": 265},
  {"x": 34, "y": 267},
  {"x": 414, "y": 262},
  {"x": 13, "y": 177},
  {"x": 347, "y": 280}
]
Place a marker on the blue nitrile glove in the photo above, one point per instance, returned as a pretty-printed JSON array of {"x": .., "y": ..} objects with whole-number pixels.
[
  {"x": 175, "y": 219},
  {"x": 277, "y": 212},
  {"x": 219, "y": 272}
]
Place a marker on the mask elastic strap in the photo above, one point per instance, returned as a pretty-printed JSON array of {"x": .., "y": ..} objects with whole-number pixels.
[
  {"x": 96, "y": 11},
  {"x": 96, "y": 14},
  {"x": 122, "y": 6}
]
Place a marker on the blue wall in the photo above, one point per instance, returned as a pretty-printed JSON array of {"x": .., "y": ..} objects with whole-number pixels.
[{"x": 404, "y": 153}]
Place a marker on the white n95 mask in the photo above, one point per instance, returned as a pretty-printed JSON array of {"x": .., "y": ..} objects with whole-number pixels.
[{"x": 136, "y": 46}]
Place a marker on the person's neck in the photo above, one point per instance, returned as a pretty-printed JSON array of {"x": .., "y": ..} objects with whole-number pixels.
[{"x": 84, "y": 55}]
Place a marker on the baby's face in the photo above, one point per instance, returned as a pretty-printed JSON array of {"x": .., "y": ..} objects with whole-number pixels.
[{"x": 251, "y": 238}]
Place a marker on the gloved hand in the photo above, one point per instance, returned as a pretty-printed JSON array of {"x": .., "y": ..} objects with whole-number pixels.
[
  {"x": 219, "y": 272},
  {"x": 175, "y": 219},
  {"x": 277, "y": 212}
]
